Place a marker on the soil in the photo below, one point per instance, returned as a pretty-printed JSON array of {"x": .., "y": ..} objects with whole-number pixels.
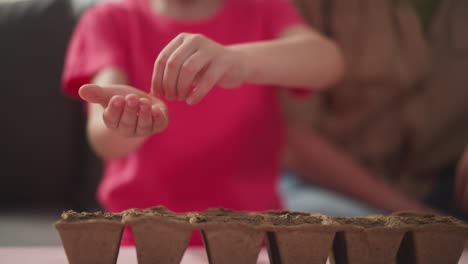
[
  {"x": 366, "y": 222},
  {"x": 158, "y": 211},
  {"x": 410, "y": 218},
  {"x": 286, "y": 218},
  {"x": 220, "y": 215},
  {"x": 72, "y": 216}
]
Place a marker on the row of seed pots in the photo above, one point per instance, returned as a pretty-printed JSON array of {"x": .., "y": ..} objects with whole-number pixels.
[{"x": 232, "y": 237}]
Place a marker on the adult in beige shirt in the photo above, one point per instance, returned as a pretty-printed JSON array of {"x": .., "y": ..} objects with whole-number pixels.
[{"x": 387, "y": 134}]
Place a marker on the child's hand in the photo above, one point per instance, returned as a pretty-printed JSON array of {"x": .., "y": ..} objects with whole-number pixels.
[
  {"x": 462, "y": 181},
  {"x": 194, "y": 60},
  {"x": 128, "y": 111}
]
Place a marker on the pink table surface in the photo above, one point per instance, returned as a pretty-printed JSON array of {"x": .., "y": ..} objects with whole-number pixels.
[{"x": 127, "y": 255}]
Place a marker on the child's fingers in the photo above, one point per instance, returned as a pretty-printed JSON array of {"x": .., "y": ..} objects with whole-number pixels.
[
  {"x": 93, "y": 94},
  {"x": 191, "y": 67},
  {"x": 145, "y": 119},
  {"x": 103, "y": 94},
  {"x": 160, "y": 65},
  {"x": 160, "y": 121},
  {"x": 128, "y": 120},
  {"x": 113, "y": 112},
  {"x": 174, "y": 66},
  {"x": 210, "y": 78}
]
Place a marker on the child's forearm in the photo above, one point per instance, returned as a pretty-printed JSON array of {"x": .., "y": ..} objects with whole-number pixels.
[
  {"x": 326, "y": 166},
  {"x": 302, "y": 58}
]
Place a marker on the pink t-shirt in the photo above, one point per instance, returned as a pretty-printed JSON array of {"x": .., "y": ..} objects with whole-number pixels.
[{"x": 223, "y": 152}]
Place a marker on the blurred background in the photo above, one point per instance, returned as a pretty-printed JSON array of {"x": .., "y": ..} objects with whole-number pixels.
[
  {"x": 47, "y": 165},
  {"x": 405, "y": 123}
]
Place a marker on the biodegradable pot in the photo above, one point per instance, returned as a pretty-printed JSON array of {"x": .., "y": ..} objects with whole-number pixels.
[
  {"x": 298, "y": 238},
  {"x": 432, "y": 239},
  {"x": 160, "y": 236},
  {"x": 91, "y": 238},
  {"x": 231, "y": 237},
  {"x": 362, "y": 240}
]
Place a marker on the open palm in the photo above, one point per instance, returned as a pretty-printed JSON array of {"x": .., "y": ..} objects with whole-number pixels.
[{"x": 127, "y": 110}]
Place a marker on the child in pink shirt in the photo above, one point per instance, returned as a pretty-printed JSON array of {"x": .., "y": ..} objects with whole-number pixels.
[{"x": 222, "y": 146}]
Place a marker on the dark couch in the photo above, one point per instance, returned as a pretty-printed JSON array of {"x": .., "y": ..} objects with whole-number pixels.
[{"x": 46, "y": 161}]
